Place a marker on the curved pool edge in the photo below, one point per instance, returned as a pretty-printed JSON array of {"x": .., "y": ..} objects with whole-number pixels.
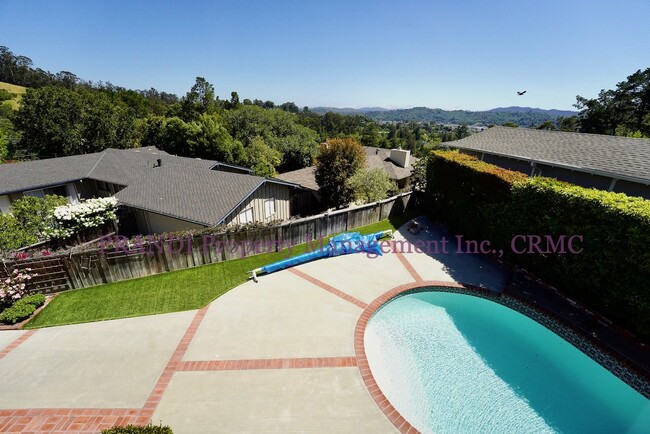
[{"x": 620, "y": 368}]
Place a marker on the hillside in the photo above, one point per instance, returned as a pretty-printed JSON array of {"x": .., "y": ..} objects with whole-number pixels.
[
  {"x": 12, "y": 88},
  {"x": 523, "y": 116}
]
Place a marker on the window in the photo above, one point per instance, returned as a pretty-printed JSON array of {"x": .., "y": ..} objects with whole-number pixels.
[
  {"x": 269, "y": 207},
  {"x": 246, "y": 216},
  {"x": 59, "y": 190}
]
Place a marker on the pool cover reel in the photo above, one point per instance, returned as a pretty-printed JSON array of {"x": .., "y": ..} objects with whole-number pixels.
[{"x": 343, "y": 244}]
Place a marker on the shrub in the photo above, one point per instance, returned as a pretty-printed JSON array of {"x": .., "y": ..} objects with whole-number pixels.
[
  {"x": 36, "y": 300},
  {"x": 610, "y": 274},
  {"x": 72, "y": 218},
  {"x": 17, "y": 313},
  {"x": 133, "y": 429},
  {"x": 371, "y": 185},
  {"x": 34, "y": 214},
  {"x": 14, "y": 236},
  {"x": 14, "y": 286}
]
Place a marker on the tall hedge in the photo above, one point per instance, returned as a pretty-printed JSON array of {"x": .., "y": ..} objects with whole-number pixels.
[
  {"x": 612, "y": 272},
  {"x": 460, "y": 187}
]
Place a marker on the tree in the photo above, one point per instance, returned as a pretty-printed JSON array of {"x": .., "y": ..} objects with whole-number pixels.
[
  {"x": 4, "y": 145},
  {"x": 370, "y": 135},
  {"x": 199, "y": 100},
  {"x": 548, "y": 125},
  {"x": 278, "y": 129},
  {"x": 621, "y": 111},
  {"x": 290, "y": 107},
  {"x": 234, "y": 100},
  {"x": 14, "y": 236},
  {"x": 50, "y": 121},
  {"x": 262, "y": 158},
  {"x": 34, "y": 215},
  {"x": 209, "y": 139},
  {"x": 57, "y": 122},
  {"x": 371, "y": 185},
  {"x": 419, "y": 174},
  {"x": 510, "y": 124},
  {"x": 339, "y": 160},
  {"x": 569, "y": 124}
]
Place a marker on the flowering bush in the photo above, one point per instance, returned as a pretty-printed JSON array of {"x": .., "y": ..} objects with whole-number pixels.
[
  {"x": 89, "y": 214},
  {"x": 13, "y": 287}
]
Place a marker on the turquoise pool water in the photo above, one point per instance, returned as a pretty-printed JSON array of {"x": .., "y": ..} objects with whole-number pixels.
[{"x": 453, "y": 363}]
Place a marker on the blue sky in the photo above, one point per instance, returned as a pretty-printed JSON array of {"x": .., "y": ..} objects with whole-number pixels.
[{"x": 451, "y": 54}]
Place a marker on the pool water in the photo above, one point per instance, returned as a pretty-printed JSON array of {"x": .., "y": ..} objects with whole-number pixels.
[{"x": 453, "y": 363}]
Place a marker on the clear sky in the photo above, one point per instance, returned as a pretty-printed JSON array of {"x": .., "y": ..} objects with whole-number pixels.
[{"x": 452, "y": 54}]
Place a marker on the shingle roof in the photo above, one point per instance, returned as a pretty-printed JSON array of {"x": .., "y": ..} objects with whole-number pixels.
[
  {"x": 624, "y": 157},
  {"x": 15, "y": 177},
  {"x": 379, "y": 157},
  {"x": 200, "y": 196},
  {"x": 180, "y": 187},
  {"x": 304, "y": 177}
]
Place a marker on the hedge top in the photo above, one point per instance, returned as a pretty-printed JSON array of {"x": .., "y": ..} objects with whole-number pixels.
[
  {"x": 477, "y": 165},
  {"x": 637, "y": 207}
]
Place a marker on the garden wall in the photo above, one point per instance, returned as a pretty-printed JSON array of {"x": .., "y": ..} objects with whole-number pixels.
[
  {"x": 119, "y": 261},
  {"x": 610, "y": 274}
]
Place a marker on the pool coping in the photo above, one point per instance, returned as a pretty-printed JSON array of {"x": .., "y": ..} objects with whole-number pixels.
[{"x": 610, "y": 361}]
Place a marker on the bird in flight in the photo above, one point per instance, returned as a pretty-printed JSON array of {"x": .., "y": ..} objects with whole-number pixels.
[{"x": 521, "y": 93}]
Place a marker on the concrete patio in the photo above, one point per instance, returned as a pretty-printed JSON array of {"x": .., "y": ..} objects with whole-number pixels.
[{"x": 272, "y": 356}]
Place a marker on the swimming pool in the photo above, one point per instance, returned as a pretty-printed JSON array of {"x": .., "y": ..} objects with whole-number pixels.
[{"x": 455, "y": 363}]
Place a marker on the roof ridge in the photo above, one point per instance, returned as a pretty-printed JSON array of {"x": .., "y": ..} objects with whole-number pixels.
[
  {"x": 563, "y": 132},
  {"x": 93, "y": 168}
]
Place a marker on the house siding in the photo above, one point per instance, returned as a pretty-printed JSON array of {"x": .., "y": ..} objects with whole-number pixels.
[
  {"x": 632, "y": 189},
  {"x": 282, "y": 195},
  {"x": 5, "y": 204},
  {"x": 152, "y": 223}
]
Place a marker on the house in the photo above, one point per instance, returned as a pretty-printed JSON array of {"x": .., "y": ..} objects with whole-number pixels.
[
  {"x": 612, "y": 163},
  {"x": 397, "y": 163},
  {"x": 161, "y": 192}
]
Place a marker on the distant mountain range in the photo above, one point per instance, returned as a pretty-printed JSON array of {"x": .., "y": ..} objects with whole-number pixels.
[{"x": 523, "y": 116}]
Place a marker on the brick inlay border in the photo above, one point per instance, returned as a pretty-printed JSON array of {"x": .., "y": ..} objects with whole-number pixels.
[
  {"x": 293, "y": 363},
  {"x": 360, "y": 350},
  {"x": 174, "y": 362},
  {"x": 68, "y": 420},
  {"x": 12, "y": 346},
  {"x": 329, "y": 288},
  {"x": 409, "y": 267}
]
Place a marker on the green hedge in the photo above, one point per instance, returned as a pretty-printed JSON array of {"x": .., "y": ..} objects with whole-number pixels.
[
  {"x": 16, "y": 313},
  {"x": 611, "y": 273},
  {"x": 459, "y": 186},
  {"x": 22, "y": 309},
  {"x": 134, "y": 429}
]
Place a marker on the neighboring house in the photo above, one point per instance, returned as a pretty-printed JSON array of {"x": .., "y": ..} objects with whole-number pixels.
[
  {"x": 611, "y": 163},
  {"x": 162, "y": 192},
  {"x": 397, "y": 163}
]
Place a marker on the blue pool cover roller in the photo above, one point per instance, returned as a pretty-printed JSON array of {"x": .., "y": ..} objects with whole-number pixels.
[{"x": 343, "y": 244}]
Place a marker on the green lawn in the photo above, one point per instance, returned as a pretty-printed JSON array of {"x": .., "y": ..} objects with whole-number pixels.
[{"x": 167, "y": 292}]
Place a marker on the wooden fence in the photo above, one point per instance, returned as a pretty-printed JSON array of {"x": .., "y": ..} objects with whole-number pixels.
[{"x": 121, "y": 261}]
